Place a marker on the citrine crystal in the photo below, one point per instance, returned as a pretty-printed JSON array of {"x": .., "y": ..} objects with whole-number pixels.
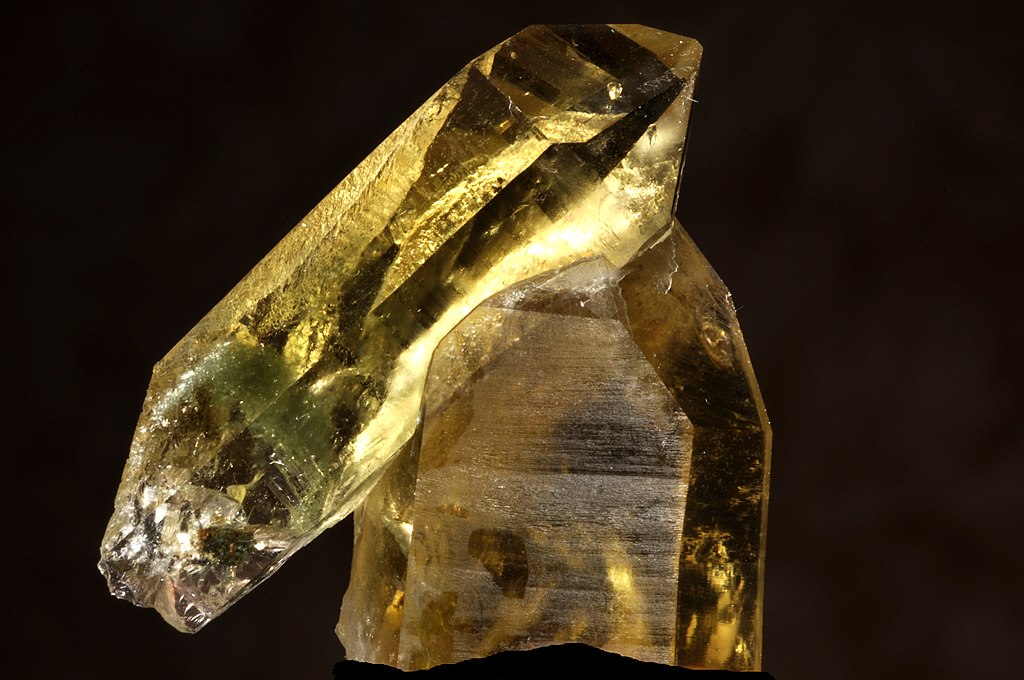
[
  {"x": 520, "y": 220},
  {"x": 589, "y": 469}
]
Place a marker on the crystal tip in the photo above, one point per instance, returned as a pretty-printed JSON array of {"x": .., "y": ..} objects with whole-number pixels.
[{"x": 172, "y": 599}]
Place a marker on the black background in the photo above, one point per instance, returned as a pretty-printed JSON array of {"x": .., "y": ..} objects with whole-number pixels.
[{"x": 854, "y": 174}]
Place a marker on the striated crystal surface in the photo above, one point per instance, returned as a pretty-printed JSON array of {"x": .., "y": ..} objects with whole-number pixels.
[
  {"x": 591, "y": 467},
  {"x": 277, "y": 413}
]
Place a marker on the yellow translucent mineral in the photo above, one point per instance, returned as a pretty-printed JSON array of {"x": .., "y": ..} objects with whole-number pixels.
[
  {"x": 522, "y": 221},
  {"x": 590, "y": 468}
]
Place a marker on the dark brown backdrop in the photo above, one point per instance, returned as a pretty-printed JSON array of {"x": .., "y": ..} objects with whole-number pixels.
[{"x": 854, "y": 174}]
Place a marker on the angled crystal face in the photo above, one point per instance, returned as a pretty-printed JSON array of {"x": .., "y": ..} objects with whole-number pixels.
[
  {"x": 591, "y": 467},
  {"x": 276, "y": 414}
]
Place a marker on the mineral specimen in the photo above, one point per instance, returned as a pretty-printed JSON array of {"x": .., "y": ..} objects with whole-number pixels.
[{"x": 586, "y": 457}]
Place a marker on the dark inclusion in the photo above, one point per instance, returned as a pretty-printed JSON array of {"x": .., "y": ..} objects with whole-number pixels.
[
  {"x": 231, "y": 547},
  {"x": 503, "y": 555}
]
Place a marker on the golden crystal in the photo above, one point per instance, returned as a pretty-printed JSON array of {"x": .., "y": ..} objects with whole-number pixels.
[
  {"x": 590, "y": 468},
  {"x": 272, "y": 419}
]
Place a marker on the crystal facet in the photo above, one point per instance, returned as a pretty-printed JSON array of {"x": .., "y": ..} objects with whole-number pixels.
[{"x": 274, "y": 416}]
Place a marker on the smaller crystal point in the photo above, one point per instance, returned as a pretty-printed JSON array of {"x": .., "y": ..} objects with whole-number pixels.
[{"x": 590, "y": 468}]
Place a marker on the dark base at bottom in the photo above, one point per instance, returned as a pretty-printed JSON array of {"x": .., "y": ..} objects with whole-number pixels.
[{"x": 581, "y": 660}]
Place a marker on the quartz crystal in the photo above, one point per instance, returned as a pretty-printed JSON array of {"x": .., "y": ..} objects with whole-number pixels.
[
  {"x": 495, "y": 317},
  {"x": 590, "y": 468}
]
